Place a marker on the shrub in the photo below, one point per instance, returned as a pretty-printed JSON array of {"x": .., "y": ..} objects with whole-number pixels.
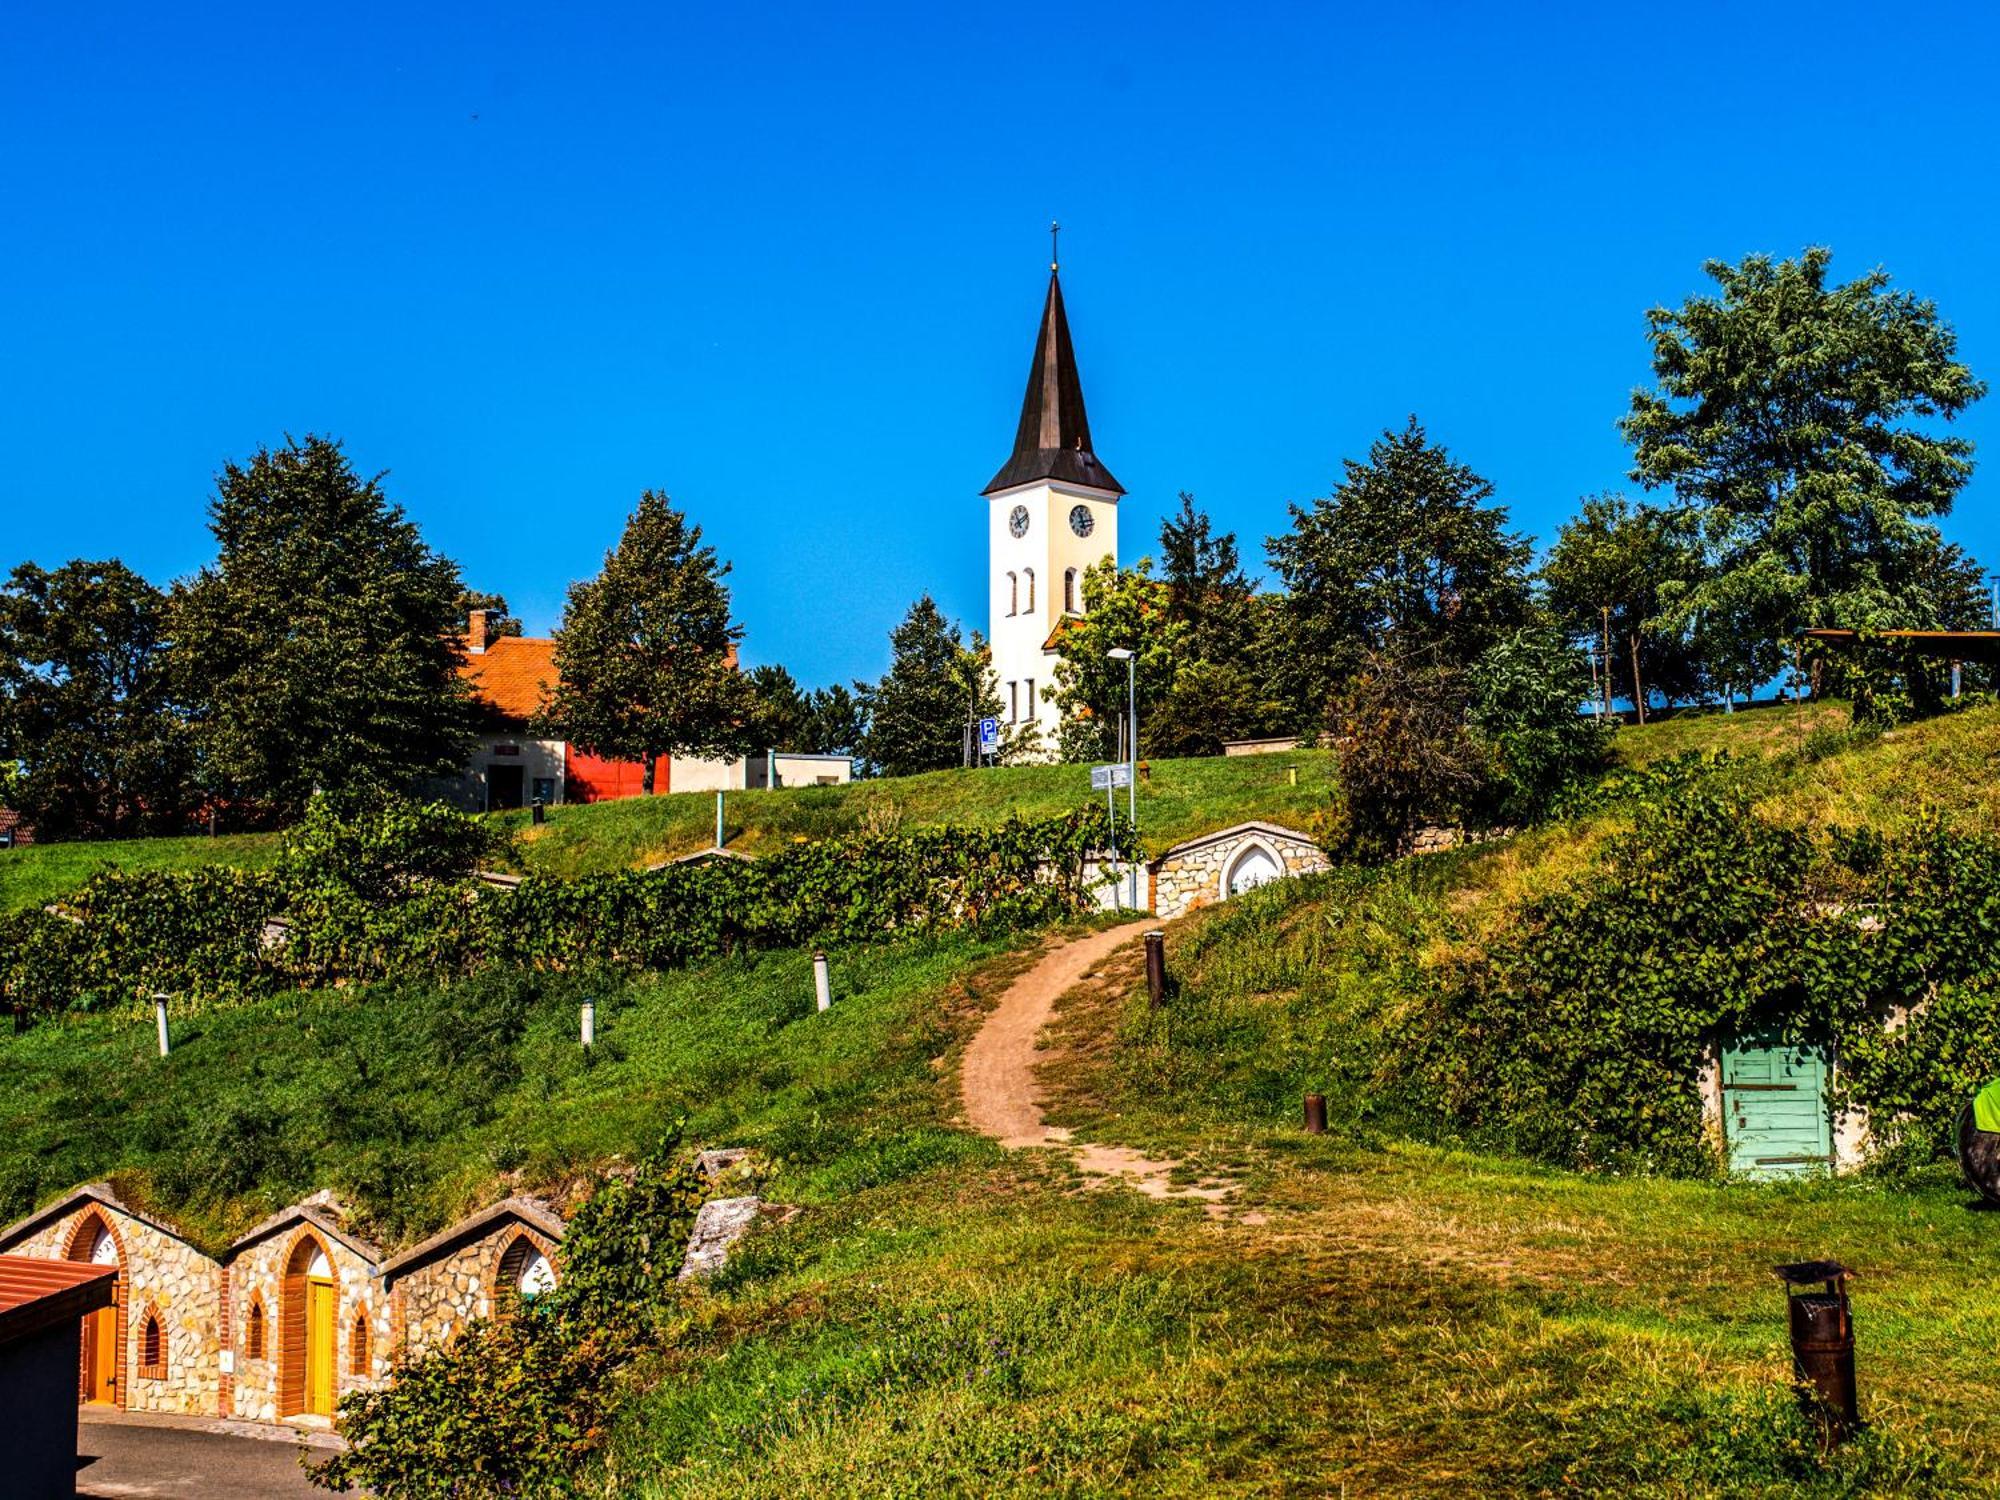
[
  {"x": 1578, "y": 1036},
  {"x": 517, "y": 1406}
]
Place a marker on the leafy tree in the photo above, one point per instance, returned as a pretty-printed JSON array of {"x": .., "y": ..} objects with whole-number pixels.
[
  {"x": 1407, "y": 556},
  {"x": 318, "y": 651},
  {"x": 936, "y": 684},
  {"x": 780, "y": 715},
  {"x": 1636, "y": 561},
  {"x": 1128, "y": 609},
  {"x": 646, "y": 656},
  {"x": 837, "y": 721},
  {"x": 1407, "y": 753},
  {"x": 1206, "y": 587},
  {"x": 86, "y": 707},
  {"x": 499, "y": 620},
  {"x": 1527, "y": 696},
  {"x": 1209, "y": 704},
  {"x": 1797, "y": 418}
]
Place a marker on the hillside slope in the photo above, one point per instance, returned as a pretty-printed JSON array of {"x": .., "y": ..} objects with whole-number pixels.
[{"x": 1373, "y": 1313}]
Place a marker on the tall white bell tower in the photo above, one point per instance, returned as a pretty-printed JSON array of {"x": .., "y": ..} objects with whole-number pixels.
[{"x": 1052, "y": 512}]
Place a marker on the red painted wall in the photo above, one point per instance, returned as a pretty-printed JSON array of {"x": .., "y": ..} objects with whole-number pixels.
[{"x": 592, "y": 779}]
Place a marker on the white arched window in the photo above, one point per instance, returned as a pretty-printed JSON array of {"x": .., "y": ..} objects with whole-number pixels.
[
  {"x": 1029, "y": 575},
  {"x": 1013, "y": 594},
  {"x": 1069, "y": 592}
]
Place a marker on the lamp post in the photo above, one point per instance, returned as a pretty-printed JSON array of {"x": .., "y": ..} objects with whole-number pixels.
[{"x": 1131, "y": 658}]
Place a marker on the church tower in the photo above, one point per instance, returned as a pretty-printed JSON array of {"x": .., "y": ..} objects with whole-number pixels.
[{"x": 1052, "y": 512}]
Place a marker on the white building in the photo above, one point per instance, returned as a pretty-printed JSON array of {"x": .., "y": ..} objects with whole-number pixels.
[{"x": 1052, "y": 512}]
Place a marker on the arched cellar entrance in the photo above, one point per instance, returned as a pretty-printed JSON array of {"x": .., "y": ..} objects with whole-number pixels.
[
  {"x": 1254, "y": 866},
  {"x": 101, "y": 1380},
  {"x": 524, "y": 1273},
  {"x": 307, "y": 1331}
]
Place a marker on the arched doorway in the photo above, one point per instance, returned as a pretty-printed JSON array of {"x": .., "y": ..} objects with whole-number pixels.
[
  {"x": 102, "y": 1376},
  {"x": 1251, "y": 868},
  {"x": 524, "y": 1274},
  {"x": 307, "y": 1324}
]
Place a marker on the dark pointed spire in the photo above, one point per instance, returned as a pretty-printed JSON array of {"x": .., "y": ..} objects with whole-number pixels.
[{"x": 1053, "y": 441}]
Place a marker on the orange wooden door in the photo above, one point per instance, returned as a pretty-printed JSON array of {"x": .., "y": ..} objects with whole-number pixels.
[
  {"x": 319, "y": 1346},
  {"x": 100, "y": 1357}
]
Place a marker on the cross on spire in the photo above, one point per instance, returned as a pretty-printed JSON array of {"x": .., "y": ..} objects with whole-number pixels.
[{"x": 1054, "y": 230}]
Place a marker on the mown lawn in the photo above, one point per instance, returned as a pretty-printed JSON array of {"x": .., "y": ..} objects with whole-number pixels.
[
  {"x": 38, "y": 873},
  {"x": 1177, "y": 799}
]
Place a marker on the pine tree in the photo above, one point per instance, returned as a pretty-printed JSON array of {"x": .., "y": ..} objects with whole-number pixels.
[{"x": 935, "y": 686}]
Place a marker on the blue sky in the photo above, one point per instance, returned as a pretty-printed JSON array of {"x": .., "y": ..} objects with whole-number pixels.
[{"x": 784, "y": 261}]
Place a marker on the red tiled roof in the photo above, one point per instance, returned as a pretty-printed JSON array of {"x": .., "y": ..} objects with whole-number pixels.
[
  {"x": 36, "y": 1293},
  {"x": 510, "y": 674}
]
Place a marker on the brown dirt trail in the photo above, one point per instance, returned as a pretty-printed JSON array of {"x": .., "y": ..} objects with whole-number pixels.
[{"x": 997, "y": 1080}]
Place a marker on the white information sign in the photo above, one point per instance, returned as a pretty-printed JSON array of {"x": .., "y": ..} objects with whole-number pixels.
[{"x": 1103, "y": 778}]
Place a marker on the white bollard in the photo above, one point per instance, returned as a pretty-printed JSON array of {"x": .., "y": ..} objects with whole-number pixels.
[
  {"x": 160, "y": 1020},
  {"x": 822, "y": 984},
  {"x": 589, "y": 1022}
]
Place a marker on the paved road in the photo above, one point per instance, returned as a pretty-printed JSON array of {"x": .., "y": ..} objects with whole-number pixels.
[{"x": 120, "y": 1456}]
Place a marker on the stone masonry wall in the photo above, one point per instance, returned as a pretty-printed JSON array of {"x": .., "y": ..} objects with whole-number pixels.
[
  {"x": 441, "y": 1296},
  {"x": 258, "y": 1275},
  {"x": 167, "y": 1278},
  {"x": 1184, "y": 880}
]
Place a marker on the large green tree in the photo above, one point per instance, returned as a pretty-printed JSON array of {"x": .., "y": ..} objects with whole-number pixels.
[
  {"x": 1798, "y": 418},
  {"x": 1408, "y": 556},
  {"x": 1124, "y": 609},
  {"x": 86, "y": 705},
  {"x": 936, "y": 685},
  {"x": 646, "y": 656},
  {"x": 1206, "y": 587},
  {"x": 318, "y": 650},
  {"x": 1619, "y": 571}
]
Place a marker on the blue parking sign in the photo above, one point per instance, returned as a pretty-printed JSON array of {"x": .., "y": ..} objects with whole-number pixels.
[{"x": 989, "y": 734}]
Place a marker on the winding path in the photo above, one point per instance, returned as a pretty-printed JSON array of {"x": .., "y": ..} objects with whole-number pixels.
[{"x": 997, "y": 1081}]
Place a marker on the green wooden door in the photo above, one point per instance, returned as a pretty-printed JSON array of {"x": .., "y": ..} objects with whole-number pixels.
[{"x": 1774, "y": 1108}]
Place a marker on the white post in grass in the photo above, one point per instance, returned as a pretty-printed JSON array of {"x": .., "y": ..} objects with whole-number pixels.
[
  {"x": 822, "y": 982},
  {"x": 718, "y": 818},
  {"x": 589, "y": 1022},
  {"x": 160, "y": 1021}
]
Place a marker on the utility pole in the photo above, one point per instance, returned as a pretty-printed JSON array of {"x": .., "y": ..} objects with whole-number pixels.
[{"x": 1638, "y": 692}]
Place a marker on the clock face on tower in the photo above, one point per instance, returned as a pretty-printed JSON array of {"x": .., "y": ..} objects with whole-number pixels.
[
  {"x": 1081, "y": 520},
  {"x": 1018, "y": 521}
]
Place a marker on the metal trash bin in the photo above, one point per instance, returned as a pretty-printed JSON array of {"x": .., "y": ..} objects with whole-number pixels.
[{"x": 1822, "y": 1330}]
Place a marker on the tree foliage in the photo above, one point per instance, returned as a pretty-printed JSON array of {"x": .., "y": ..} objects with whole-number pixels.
[
  {"x": 1407, "y": 555},
  {"x": 499, "y": 619},
  {"x": 935, "y": 686},
  {"x": 520, "y": 1404},
  {"x": 646, "y": 656},
  {"x": 1797, "y": 419},
  {"x": 86, "y": 703},
  {"x": 317, "y": 651},
  {"x": 1577, "y": 1035},
  {"x": 1638, "y": 562}
]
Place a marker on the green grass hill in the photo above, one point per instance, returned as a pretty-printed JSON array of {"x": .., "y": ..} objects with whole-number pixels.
[{"x": 1380, "y": 1312}]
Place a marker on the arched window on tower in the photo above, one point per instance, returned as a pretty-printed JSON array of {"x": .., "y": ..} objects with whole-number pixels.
[
  {"x": 1029, "y": 575},
  {"x": 1069, "y": 592},
  {"x": 1013, "y": 594}
]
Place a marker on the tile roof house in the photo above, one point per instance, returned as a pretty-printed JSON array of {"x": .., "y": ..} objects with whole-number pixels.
[{"x": 510, "y": 767}]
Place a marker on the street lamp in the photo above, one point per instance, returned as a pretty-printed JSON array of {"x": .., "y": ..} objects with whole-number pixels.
[{"x": 1130, "y": 657}]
